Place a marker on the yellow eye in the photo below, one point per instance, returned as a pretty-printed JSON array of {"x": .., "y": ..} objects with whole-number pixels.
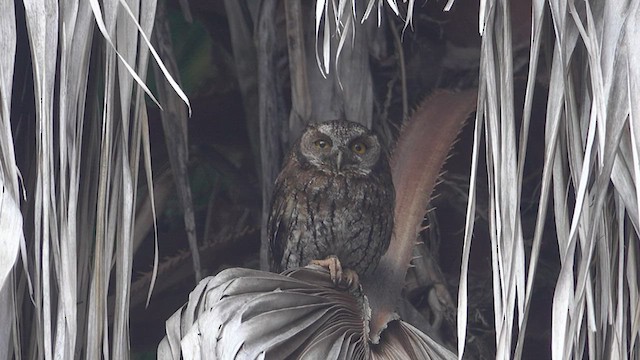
[
  {"x": 359, "y": 147},
  {"x": 322, "y": 143}
]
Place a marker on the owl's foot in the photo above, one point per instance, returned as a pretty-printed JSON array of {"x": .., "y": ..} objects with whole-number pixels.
[{"x": 342, "y": 278}]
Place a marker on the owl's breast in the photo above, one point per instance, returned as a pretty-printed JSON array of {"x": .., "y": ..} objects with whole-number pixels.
[{"x": 347, "y": 217}]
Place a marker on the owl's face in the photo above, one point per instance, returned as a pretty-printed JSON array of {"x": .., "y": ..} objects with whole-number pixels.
[{"x": 340, "y": 147}]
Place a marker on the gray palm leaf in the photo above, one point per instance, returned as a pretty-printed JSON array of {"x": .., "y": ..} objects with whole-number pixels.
[{"x": 251, "y": 314}]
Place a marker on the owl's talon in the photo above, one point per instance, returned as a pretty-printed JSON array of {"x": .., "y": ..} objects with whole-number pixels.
[
  {"x": 345, "y": 279},
  {"x": 333, "y": 264},
  {"x": 351, "y": 279}
]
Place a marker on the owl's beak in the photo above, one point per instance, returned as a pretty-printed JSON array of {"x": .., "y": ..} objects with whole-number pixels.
[{"x": 339, "y": 160}]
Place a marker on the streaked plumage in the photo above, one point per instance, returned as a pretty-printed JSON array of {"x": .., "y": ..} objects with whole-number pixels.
[{"x": 334, "y": 196}]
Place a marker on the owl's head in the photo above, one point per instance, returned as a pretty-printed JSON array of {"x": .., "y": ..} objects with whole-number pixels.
[{"x": 341, "y": 146}]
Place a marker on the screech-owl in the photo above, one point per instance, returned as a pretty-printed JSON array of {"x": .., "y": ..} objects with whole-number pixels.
[{"x": 333, "y": 198}]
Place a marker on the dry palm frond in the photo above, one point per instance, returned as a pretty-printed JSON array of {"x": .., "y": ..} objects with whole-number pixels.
[
  {"x": 10, "y": 217},
  {"x": 11, "y": 221},
  {"x": 81, "y": 191},
  {"x": 340, "y": 18},
  {"x": 589, "y": 146},
  {"x": 251, "y": 314}
]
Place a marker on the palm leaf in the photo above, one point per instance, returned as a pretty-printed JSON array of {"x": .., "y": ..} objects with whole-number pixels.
[
  {"x": 587, "y": 116},
  {"x": 10, "y": 216},
  {"x": 82, "y": 193},
  {"x": 242, "y": 313},
  {"x": 11, "y": 233}
]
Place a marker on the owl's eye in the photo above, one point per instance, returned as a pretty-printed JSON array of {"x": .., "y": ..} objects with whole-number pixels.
[
  {"x": 359, "y": 147},
  {"x": 322, "y": 143}
]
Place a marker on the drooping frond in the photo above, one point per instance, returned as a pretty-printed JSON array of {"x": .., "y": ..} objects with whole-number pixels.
[
  {"x": 339, "y": 18},
  {"x": 81, "y": 172},
  {"x": 590, "y": 175}
]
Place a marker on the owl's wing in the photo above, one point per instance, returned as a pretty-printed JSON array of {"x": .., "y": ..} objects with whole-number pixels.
[{"x": 277, "y": 226}]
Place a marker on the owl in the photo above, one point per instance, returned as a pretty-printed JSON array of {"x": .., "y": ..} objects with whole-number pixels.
[{"x": 333, "y": 202}]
